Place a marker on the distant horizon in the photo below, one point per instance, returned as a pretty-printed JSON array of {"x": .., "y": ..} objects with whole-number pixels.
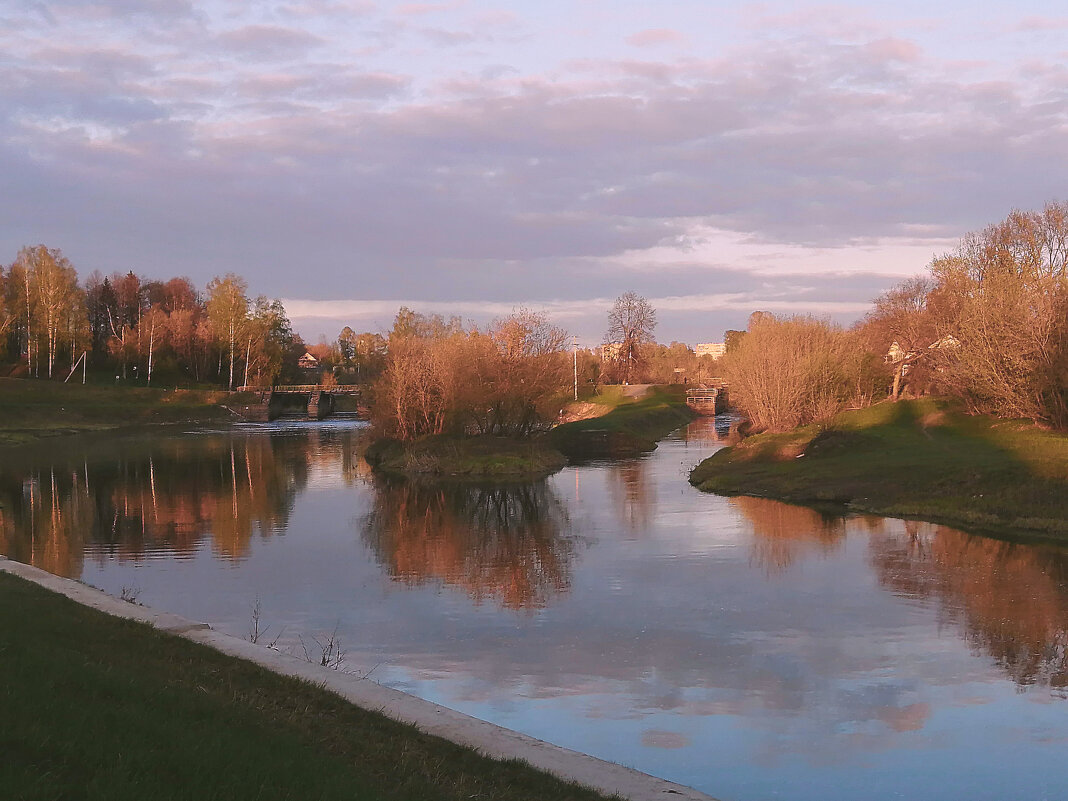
[{"x": 350, "y": 157}]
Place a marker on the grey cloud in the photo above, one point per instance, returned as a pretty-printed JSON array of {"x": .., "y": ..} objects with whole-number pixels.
[
  {"x": 525, "y": 187},
  {"x": 118, "y": 9},
  {"x": 447, "y": 38},
  {"x": 110, "y": 64},
  {"x": 71, "y": 95},
  {"x": 268, "y": 41}
]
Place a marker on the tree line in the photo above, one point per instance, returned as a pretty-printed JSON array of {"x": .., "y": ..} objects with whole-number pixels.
[
  {"x": 987, "y": 325},
  {"x": 140, "y": 327}
]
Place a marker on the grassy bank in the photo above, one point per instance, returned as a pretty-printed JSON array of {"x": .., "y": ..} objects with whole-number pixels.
[
  {"x": 101, "y": 708},
  {"x": 630, "y": 428},
  {"x": 918, "y": 459},
  {"x": 465, "y": 458},
  {"x": 31, "y": 410}
]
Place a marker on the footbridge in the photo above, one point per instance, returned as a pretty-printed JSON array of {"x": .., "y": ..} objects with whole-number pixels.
[
  {"x": 316, "y": 399},
  {"x": 709, "y": 399}
]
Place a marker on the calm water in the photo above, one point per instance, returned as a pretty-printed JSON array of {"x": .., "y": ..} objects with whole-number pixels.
[{"x": 748, "y": 648}]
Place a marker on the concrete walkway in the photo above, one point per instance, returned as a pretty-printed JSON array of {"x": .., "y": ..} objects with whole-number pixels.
[{"x": 486, "y": 738}]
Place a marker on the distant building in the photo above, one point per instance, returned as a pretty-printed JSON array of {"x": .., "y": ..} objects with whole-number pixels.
[
  {"x": 308, "y": 362},
  {"x": 713, "y": 349},
  {"x": 610, "y": 352}
]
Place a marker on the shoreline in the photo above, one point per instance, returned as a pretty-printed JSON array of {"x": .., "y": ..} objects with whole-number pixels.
[
  {"x": 35, "y": 411},
  {"x": 919, "y": 460},
  {"x": 486, "y": 739}
]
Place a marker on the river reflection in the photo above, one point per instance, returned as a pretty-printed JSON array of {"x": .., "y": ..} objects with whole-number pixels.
[
  {"x": 162, "y": 499},
  {"x": 750, "y": 648},
  {"x": 508, "y": 543}
]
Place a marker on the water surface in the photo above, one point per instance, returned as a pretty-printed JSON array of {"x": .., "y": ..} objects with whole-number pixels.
[{"x": 745, "y": 647}]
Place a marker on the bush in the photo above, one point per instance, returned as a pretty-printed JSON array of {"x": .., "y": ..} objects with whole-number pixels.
[{"x": 792, "y": 371}]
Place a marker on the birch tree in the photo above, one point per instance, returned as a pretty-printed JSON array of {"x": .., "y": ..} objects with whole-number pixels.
[
  {"x": 228, "y": 311},
  {"x": 53, "y": 293}
]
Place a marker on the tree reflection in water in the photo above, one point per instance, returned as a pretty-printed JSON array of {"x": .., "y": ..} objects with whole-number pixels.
[
  {"x": 783, "y": 533},
  {"x": 169, "y": 498},
  {"x": 510, "y": 543},
  {"x": 1012, "y": 600},
  {"x": 634, "y": 494}
]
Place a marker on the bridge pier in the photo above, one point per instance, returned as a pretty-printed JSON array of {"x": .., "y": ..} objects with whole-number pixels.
[{"x": 320, "y": 405}]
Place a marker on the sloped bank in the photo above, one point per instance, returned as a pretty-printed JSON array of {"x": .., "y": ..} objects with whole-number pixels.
[
  {"x": 919, "y": 459},
  {"x": 32, "y": 410},
  {"x": 92, "y": 686},
  {"x": 629, "y": 429}
]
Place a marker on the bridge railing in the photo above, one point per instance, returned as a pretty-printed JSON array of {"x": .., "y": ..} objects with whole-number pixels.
[{"x": 336, "y": 389}]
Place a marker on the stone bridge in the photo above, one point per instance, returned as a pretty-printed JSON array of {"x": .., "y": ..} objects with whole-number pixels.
[{"x": 318, "y": 399}]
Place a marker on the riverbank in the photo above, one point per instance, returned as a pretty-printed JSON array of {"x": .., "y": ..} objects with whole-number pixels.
[
  {"x": 32, "y": 410},
  {"x": 101, "y": 708},
  {"x": 631, "y": 428},
  {"x": 915, "y": 459},
  {"x": 477, "y": 458},
  {"x": 622, "y": 426}
]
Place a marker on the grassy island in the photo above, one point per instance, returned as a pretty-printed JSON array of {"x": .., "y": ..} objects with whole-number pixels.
[
  {"x": 918, "y": 459},
  {"x": 631, "y": 426},
  {"x": 31, "y": 409},
  {"x": 465, "y": 458},
  {"x": 101, "y": 708}
]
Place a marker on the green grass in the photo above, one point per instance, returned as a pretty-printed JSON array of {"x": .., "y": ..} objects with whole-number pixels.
[
  {"x": 919, "y": 459},
  {"x": 465, "y": 457},
  {"x": 32, "y": 409},
  {"x": 95, "y": 707},
  {"x": 632, "y": 427}
]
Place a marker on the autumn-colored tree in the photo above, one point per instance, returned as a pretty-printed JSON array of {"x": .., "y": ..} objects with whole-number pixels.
[
  {"x": 901, "y": 326},
  {"x": 268, "y": 335},
  {"x": 1002, "y": 307},
  {"x": 440, "y": 378},
  {"x": 228, "y": 309},
  {"x": 7, "y": 316},
  {"x": 54, "y": 299},
  {"x": 791, "y": 371}
]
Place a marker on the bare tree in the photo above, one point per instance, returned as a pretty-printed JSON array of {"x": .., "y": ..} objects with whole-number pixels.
[
  {"x": 1004, "y": 304},
  {"x": 792, "y": 371},
  {"x": 901, "y": 327},
  {"x": 630, "y": 325}
]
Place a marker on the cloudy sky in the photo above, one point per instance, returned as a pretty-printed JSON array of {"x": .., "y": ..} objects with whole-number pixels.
[{"x": 470, "y": 157}]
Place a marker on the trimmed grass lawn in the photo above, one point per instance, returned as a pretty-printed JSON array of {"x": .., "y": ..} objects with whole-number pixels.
[{"x": 94, "y": 707}]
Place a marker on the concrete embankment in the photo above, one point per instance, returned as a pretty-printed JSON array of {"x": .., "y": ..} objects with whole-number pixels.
[{"x": 486, "y": 738}]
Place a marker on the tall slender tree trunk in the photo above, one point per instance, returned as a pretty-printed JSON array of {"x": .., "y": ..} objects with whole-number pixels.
[{"x": 151, "y": 342}]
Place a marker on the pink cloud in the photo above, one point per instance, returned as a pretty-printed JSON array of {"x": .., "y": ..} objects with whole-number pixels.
[{"x": 652, "y": 37}]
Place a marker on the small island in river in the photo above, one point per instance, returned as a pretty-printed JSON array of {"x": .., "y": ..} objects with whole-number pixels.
[{"x": 631, "y": 426}]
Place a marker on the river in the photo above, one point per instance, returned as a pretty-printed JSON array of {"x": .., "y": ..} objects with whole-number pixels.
[{"x": 748, "y": 648}]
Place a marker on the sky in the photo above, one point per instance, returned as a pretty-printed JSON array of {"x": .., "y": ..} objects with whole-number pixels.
[{"x": 472, "y": 158}]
